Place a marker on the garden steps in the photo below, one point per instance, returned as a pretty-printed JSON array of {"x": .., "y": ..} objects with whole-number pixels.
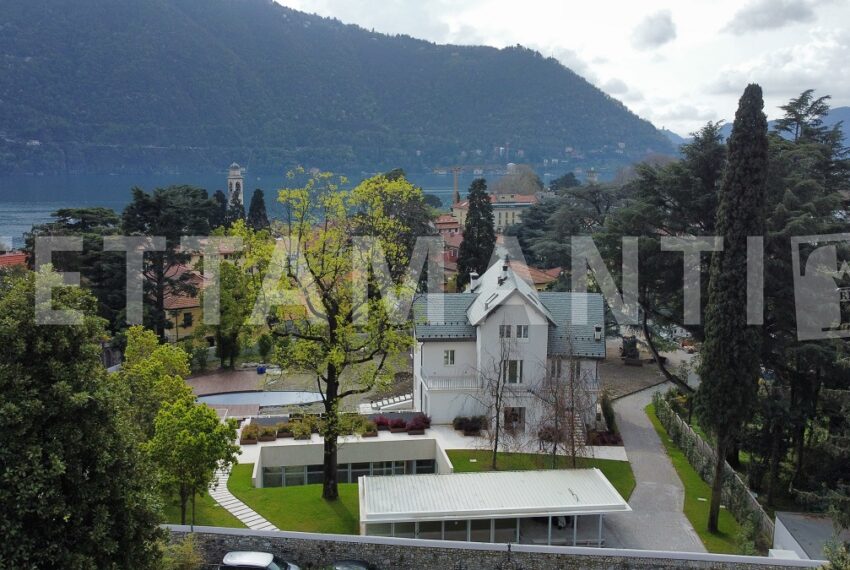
[{"x": 246, "y": 515}]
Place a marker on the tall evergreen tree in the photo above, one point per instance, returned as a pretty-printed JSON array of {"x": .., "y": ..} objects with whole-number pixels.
[
  {"x": 479, "y": 235},
  {"x": 257, "y": 216},
  {"x": 218, "y": 212},
  {"x": 730, "y": 364},
  {"x": 171, "y": 212},
  {"x": 235, "y": 211}
]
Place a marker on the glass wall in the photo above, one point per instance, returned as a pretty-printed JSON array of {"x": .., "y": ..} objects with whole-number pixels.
[
  {"x": 531, "y": 530},
  {"x": 346, "y": 473},
  {"x": 455, "y": 530}
]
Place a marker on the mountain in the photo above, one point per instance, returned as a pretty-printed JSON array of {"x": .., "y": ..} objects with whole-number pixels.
[
  {"x": 109, "y": 86},
  {"x": 836, "y": 115}
]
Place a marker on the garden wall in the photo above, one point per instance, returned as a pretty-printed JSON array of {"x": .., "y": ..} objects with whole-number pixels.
[
  {"x": 316, "y": 550},
  {"x": 736, "y": 494}
]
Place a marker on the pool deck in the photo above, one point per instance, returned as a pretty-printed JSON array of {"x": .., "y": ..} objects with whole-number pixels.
[{"x": 226, "y": 381}]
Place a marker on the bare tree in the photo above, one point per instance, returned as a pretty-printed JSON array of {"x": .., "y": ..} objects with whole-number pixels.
[
  {"x": 499, "y": 383},
  {"x": 566, "y": 399}
]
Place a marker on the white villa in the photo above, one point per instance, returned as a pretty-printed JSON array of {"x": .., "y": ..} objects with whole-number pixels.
[{"x": 502, "y": 328}]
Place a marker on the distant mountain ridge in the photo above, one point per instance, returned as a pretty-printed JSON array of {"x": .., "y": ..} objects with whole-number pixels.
[
  {"x": 836, "y": 115},
  {"x": 104, "y": 86}
]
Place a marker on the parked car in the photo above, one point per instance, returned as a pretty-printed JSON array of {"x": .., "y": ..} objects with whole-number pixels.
[
  {"x": 254, "y": 560},
  {"x": 350, "y": 565}
]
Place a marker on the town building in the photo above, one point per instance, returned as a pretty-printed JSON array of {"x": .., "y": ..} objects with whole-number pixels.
[
  {"x": 503, "y": 328},
  {"x": 507, "y": 209}
]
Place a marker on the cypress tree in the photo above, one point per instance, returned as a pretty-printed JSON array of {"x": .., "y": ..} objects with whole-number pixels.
[
  {"x": 479, "y": 235},
  {"x": 729, "y": 369},
  {"x": 257, "y": 217},
  {"x": 218, "y": 213},
  {"x": 235, "y": 211}
]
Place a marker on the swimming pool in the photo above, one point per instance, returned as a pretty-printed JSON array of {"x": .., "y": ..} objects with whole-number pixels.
[{"x": 262, "y": 398}]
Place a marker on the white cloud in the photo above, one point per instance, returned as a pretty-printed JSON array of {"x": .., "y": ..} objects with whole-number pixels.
[
  {"x": 615, "y": 86},
  {"x": 816, "y": 63},
  {"x": 771, "y": 14},
  {"x": 654, "y": 31}
]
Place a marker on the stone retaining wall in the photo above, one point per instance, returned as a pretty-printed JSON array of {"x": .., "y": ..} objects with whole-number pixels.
[{"x": 315, "y": 550}]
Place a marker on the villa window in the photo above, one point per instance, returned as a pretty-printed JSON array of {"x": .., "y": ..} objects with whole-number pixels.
[
  {"x": 522, "y": 331},
  {"x": 512, "y": 371},
  {"x": 556, "y": 368},
  {"x": 448, "y": 357},
  {"x": 514, "y": 418},
  {"x": 504, "y": 331}
]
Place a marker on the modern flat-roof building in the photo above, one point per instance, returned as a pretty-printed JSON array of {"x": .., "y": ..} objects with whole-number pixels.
[
  {"x": 564, "y": 507},
  {"x": 804, "y": 534}
]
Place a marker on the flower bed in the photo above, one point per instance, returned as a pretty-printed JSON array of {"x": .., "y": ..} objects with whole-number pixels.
[{"x": 250, "y": 434}]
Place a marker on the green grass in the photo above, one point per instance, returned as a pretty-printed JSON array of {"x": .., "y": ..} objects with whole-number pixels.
[
  {"x": 619, "y": 473},
  {"x": 207, "y": 513},
  {"x": 723, "y": 542},
  {"x": 299, "y": 508}
]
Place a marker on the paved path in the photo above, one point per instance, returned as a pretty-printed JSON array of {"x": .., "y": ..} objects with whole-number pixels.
[
  {"x": 656, "y": 521},
  {"x": 237, "y": 508}
]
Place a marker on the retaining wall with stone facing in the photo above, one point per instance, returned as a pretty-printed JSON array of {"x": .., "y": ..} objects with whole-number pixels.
[{"x": 316, "y": 550}]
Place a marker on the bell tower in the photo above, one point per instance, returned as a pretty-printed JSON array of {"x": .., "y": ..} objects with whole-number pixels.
[{"x": 235, "y": 184}]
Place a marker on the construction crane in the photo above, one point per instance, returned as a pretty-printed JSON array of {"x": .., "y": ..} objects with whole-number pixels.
[{"x": 457, "y": 169}]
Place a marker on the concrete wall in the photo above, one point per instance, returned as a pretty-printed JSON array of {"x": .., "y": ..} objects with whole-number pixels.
[
  {"x": 432, "y": 362},
  {"x": 316, "y": 550},
  {"x": 444, "y": 407}
]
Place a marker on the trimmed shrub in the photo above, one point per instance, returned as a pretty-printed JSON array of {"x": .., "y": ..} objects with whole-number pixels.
[
  {"x": 398, "y": 423},
  {"x": 418, "y": 422},
  {"x": 608, "y": 413}
]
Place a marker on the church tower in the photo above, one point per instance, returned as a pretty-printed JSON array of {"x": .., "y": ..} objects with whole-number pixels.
[{"x": 235, "y": 184}]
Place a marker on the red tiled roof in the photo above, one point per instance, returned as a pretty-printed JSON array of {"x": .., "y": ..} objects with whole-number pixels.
[
  {"x": 13, "y": 259},
  {"x": 175, "y": 302}
]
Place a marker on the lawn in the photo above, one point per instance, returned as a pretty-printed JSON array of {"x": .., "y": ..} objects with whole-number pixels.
[
  {"x": 619, "y": 473},
  {"x": 723, "y": 542},
  {"x": 207, "y": 513},
  {"x": 299, "y": 508}
]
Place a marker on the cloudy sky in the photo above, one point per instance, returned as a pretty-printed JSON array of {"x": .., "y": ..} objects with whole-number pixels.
[{"x": 678, "y": 64}]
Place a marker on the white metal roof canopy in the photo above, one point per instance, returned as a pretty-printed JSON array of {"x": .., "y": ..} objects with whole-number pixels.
[{"x": 504, "y": 494}]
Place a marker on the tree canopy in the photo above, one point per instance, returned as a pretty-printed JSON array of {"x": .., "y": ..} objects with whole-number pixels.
[{"x": 76, "y": 490}]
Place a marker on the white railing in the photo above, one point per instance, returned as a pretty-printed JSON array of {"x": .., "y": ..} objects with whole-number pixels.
[{"x": 439, "y": 383}]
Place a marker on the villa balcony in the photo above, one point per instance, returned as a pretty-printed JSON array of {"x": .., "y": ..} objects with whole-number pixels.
[{"x": 452, "y": 383}]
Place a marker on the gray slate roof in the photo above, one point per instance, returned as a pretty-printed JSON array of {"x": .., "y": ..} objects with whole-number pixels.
[
  {"x": 440, "y": 316},
  {"x": 581, "y": 336},
  {"x": 455, "y": 323}
]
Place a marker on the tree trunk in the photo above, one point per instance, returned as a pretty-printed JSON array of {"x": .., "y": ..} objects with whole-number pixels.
[
  {"x": 733, "y": 456},
  {"x": 330, "y": 489},
  {"x": 160, "y": 299},
  {"x": 773, "y": 469},
  {"x": 184, "y": 498},
  {"x": 717, "y": 486},
  {"x": 683, "y": 384},
  {"x": 497, "y": 427}
]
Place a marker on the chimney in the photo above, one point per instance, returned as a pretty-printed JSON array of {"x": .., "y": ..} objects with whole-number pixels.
[
  {"x": 504, "y": 276},
  {"x": 473, "y": 280}
]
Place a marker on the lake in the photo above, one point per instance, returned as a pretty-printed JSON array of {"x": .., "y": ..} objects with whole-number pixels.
[{"x": 28, "y": 200}]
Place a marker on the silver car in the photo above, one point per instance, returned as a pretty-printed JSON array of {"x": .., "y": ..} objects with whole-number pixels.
[{"x": 254, "y": 560}]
